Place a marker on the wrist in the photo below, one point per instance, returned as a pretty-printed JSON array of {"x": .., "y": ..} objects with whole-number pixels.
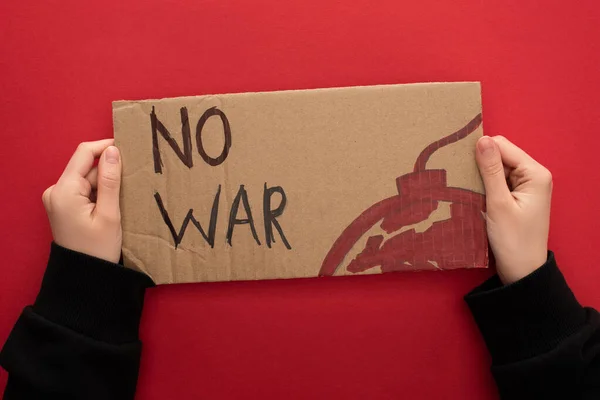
[
  {"x": 515, "y": 270},
  {"x": 109, "y": 251}
]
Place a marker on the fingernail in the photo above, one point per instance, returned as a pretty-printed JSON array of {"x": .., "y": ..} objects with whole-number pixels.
[
  {"x": 485, "y": 145},
  {"x": 112, "y": 155}
]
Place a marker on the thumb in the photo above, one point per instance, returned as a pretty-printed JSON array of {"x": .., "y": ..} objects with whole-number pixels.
[
  {"x": 109, "y": 183},
  {"x": 489, "y": 161}
]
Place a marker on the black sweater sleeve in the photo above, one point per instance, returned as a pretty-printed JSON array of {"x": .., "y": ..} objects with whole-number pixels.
[
  {"x": 543, "y": 343},
  {"x": 79, "y": 340}
]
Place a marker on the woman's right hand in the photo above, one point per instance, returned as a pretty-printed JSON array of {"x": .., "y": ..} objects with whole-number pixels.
[{"x": 518, "y": 192}]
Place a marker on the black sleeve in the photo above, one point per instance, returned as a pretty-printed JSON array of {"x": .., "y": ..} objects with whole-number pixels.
[
  {"x": 79, "y": 340},
  {"x": 543, "y": 343}
]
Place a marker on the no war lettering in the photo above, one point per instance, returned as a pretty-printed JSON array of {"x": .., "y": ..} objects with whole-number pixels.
[{"x": 269, "y": 215}]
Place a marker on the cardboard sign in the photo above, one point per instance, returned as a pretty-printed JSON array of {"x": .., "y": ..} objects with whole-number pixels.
[{"x": 305, "y": 183}]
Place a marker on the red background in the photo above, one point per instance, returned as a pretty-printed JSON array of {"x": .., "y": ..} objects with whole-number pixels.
[{"x": 378, "y": 337}]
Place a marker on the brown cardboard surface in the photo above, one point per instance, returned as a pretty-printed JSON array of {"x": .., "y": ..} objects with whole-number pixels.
[{"x": 369, "y": 186}]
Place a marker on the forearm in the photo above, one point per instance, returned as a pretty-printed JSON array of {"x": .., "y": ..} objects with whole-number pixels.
[
  {"x": 80, "y": 338},
  {"x": 542, "y": 341}
]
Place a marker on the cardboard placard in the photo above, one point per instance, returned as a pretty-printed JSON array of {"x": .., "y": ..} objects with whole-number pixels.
[{"x": 304, "y": 183}]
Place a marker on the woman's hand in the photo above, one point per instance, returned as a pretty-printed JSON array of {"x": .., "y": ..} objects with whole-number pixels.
[
  {"x": 518, "y": 191},
  {"x": 83, "y": 206}
]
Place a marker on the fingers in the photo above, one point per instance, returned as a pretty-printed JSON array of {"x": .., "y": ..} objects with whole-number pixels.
[
  {"x": 46, "y": 197},
  {"x": 512, "y": 156},
  {"x": 82, "y": 160},
  {"x": 92, "y": 177},
  {"x": 489, "y": 161},
  {"x": 109, "y": 183}
]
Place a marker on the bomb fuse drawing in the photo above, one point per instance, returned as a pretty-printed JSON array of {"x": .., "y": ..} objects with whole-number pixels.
[{"x": 457, "y": 242}]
